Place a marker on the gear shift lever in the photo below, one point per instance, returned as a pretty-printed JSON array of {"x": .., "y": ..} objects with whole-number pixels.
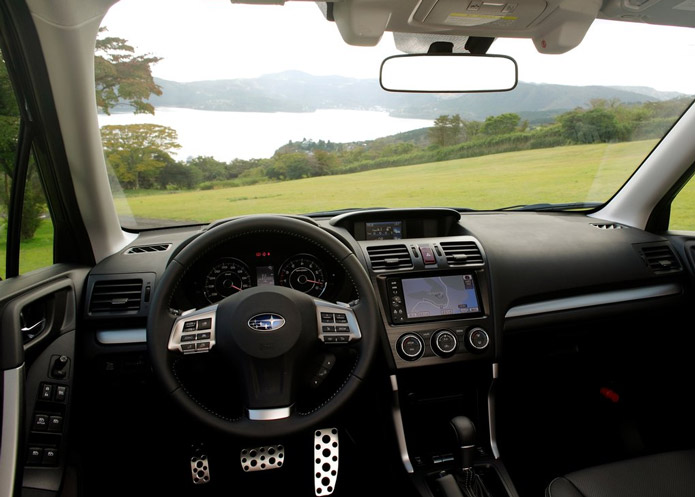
[{"x": 465, "y": 441}]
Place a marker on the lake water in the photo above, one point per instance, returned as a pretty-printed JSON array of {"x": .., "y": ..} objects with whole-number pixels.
[{"x": 246, "y": 135}]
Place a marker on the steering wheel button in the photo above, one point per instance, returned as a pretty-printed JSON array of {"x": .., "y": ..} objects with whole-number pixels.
[
  {"x": 328, "y": 329},
  {"x": 327, "y": 317},
  {"x": 330, "y": 339},
  {"x": 342, "y": 339},
  {"x": 189, "y": 326},
  {"x": 187, "y": 338},
  {"x": 187, "y": 346},
  {"x": 341, "y": 318},
  {"x": 203, "y": 346},
  {"x": 342, "y": 329},
  {"x": 203, "y": 336},
  {"x": 204, "y": 324}
]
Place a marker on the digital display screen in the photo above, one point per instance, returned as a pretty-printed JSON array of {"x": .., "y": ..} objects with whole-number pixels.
[
  {"x": 384, "y": 230},
  {"x": 265, "y": 275},
  {"x": 440, "y": 296}
]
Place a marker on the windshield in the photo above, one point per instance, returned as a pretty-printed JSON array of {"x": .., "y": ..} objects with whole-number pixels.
[{"x": 264, "y": 109}]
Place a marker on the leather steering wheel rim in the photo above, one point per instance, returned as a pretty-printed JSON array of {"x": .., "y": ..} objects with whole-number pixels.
[{"x": 161, "y": 319}]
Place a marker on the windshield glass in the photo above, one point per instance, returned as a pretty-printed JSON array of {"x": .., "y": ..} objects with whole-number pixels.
[{"x": 264, "y": 109}]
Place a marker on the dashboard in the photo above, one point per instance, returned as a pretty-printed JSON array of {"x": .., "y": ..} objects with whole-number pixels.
[{"x": 449, "y": 285}]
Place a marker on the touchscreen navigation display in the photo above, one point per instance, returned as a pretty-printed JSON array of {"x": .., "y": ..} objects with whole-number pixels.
[{"x": 440, "y": 296}]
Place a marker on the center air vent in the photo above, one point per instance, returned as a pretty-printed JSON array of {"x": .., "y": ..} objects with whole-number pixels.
[
  {"x": 119, "y": 295},
  {"x": 660, "y": 258},
  {"x": 146, "y": 249},
  {"x": 385, "y": 257},
  {"x": 462, "y": 253}
]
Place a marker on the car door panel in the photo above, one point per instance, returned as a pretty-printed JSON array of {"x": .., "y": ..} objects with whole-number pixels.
[{"x": 38, "y": 321}]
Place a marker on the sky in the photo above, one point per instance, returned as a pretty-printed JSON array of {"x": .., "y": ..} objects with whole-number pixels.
[{"x": 214, "y": 39}]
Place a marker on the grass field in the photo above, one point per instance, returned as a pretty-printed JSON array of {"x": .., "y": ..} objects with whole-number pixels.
[
  {"x": 594, "y": 172},
  {"x": 574, "y": 173}
]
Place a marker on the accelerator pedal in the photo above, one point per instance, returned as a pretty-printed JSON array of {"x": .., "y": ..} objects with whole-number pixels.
[
  {"x": 262, "y": 458},
  {"x": 325, "y": 461},
  {"x": 200, "y": 466}
]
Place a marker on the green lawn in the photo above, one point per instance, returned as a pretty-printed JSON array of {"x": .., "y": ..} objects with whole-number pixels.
[
  {"x": 596, "y": 172},
  {"x": 33, "y": 254}
]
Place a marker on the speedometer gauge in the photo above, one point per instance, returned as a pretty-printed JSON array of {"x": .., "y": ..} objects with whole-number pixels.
[
  {"x": 304, "y": 273},
  {"x": 226, "y": 277}
]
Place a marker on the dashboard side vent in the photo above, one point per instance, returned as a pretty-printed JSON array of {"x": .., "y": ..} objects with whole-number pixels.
[
  {"x": 384, "y": 257},
  {"x": 116, "y": 296},
  {"x": 146, "y": 249},
  {"x": 660, "y": 258},
  {"x": 608, "y": 226},
  {"x": 462, "y": 253}
]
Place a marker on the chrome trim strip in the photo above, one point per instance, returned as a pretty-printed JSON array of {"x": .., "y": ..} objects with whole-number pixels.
[
  {"x": 398, "y": 424},
  {"x": 593, "y": 299},
  {"x": 12, "y": 401},
  {"x": 491, "y": 412},
  {"x": 269, "y": 414},
  {"x": 121, "y": 337}
]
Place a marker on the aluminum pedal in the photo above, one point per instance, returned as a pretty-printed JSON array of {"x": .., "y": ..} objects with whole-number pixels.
[
  {"x": 262, "y": 458},
  {"x": 200, "y": 467},
  {"x": 325, "y": 461}
]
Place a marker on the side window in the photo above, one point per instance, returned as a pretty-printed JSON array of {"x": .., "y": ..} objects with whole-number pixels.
[
  {"x": 36, "y": 228},
  {"x": 683, "y": 209}
]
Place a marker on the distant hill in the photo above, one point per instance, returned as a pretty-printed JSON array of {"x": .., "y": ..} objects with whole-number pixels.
[{"x": 294, "y": 91}]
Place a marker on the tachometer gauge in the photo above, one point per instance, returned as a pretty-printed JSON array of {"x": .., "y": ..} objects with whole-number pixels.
[
  {"x": 303, "y": 272},
  {"x": 226, "y": 277}
]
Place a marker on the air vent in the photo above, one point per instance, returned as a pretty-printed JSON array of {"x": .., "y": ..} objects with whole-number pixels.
[
  {"x": 385, "y": 257},
  {"x": 608, "y": 226},
  {"x": 462, "y": 253},
  {"x": 660, "y": 258},
  {"x": 116, "y": 296},
  {"x": 146, "y": 249}
]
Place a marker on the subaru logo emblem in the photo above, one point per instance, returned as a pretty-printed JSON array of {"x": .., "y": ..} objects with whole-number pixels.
[{"x": 266, "y": 322}]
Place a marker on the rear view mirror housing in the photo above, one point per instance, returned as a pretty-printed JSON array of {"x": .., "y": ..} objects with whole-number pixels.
[{"x": 448, "y": 73}]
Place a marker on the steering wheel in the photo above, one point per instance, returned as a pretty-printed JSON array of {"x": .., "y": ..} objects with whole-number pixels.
[{"x": 265, "y": 335}]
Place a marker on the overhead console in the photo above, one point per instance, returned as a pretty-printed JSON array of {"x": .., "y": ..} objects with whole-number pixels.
[{"x": 432, "y": 282}]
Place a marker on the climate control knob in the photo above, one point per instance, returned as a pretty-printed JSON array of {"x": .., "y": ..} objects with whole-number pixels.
[
  {"x": 444, "y": 343},
  {"x": 410, "y": 346},
  {"x": 478, "y": 339}
]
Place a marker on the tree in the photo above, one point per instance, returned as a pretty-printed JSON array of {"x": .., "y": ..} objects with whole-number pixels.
[
  {"x": 121, "y": 76},
  {"x": 501, "y": 125},
  {"x": 446, "y": 130},
  {"x": 137, "y": 152},
  {"x": 592, "y": 126},
  {"x": 210, "y": 168}
]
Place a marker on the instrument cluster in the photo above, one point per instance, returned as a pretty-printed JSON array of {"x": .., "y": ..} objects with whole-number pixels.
[{"x": 244, "y": 263}]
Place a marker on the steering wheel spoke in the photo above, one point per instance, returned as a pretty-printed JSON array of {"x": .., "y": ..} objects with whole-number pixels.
[
  {"x": 337, "y": 323},
  {"x": 194, "y": 331}
]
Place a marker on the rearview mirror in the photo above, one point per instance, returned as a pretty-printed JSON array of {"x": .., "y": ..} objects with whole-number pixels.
[{"x": 448, "y": 73}]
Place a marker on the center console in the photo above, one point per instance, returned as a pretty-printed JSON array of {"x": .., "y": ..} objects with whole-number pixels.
[{"x": 432, "y": 280}]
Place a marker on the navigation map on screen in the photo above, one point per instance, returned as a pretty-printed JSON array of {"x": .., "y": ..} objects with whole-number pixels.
[{"x": 440, "y": 296}]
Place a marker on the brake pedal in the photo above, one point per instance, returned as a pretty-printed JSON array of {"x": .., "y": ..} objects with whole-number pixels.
[
  {"x": 325, "y": 461},
  {"x": 262, "y": 458},
  {"x": 200, "y": 466}
]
